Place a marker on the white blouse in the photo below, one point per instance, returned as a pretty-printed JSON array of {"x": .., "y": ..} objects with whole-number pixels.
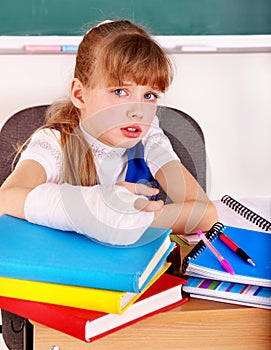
[{"x": 111, "y": 163}]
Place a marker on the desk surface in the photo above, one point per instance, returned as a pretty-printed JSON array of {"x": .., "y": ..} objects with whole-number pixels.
[{"x": 198, "y": 324}]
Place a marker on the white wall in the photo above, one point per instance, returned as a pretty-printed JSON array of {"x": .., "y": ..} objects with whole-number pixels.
[{"x": 229, "y": 94}]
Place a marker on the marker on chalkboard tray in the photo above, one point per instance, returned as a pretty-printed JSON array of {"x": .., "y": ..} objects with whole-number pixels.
[
  {"x": 69, "y": 48},
  {"x": 42, "y": 48}
]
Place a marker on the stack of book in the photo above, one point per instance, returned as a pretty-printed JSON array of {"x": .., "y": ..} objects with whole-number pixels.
[
  {"x": 80, "y": 286},
  {"x": 251, "y": 282}
]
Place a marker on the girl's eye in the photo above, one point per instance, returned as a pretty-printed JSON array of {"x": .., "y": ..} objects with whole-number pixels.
[
  {"x": 151, "y": 96},
  {"x": 119, "y": 92}
]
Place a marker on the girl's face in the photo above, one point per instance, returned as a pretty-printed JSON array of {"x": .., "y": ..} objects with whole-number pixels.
[{"x": 118, "y": 116}]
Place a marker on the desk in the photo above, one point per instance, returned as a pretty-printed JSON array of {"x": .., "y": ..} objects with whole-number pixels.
[{"x": 198, "y": 324}]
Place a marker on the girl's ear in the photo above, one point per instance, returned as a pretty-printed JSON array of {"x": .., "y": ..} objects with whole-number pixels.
[{"x": 77, "y": 93}]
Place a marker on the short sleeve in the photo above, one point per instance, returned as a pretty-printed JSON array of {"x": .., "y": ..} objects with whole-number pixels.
[
  {"x": 158, "y": 149},
  {"x": 45, "y": 149}
]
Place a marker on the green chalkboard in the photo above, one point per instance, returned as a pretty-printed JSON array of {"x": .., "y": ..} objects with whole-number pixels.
[{"x": 160, "y": 17}]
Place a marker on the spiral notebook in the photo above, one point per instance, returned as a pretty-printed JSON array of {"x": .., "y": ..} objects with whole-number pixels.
[
  {"x": 249, "y": 213},
  {"x": 201, "y": 262},
  {"x": 228, "y": 292}
]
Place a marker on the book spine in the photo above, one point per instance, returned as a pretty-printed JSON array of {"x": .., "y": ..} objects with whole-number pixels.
[
  {"x": 83, "y": 298},
  {"x": 118, "y": 282}
]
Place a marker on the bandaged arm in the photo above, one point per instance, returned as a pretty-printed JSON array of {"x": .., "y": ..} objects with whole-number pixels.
[{"x": 102, "y": 212}]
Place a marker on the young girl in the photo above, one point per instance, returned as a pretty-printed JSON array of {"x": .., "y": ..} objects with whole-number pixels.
[{"x": 72, "y": 174}]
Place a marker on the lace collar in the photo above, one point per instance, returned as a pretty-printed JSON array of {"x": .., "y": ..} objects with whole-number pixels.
[{"x": 99, "y": 149}]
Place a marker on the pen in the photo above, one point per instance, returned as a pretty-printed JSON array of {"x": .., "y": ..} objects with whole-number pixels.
[
  {"x": 234, "y": 247},
  {"x": 224, "y": 263}
]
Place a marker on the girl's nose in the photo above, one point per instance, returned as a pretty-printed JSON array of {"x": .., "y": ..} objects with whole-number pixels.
[{"x": 135, "y": 111}]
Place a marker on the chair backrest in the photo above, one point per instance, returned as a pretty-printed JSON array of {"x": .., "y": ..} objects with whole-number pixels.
[
  {"x": 187, "y": 140},
  {"x": 17, "y": 129},
  {"x": 184, "y": 133}
]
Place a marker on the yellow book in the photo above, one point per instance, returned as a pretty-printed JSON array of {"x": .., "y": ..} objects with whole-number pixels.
[{"x": 66, "y": 295}]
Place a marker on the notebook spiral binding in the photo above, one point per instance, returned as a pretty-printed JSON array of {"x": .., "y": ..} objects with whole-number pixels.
[
  {"x": 248, "y": 214},
  {"x": 200, "y": 246}
]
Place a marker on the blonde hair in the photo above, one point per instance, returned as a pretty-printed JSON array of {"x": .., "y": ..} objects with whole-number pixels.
[{"x": 116, "y": 51}]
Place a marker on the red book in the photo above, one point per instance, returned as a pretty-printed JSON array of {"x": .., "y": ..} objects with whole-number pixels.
[{"x": 164, "y": 294}]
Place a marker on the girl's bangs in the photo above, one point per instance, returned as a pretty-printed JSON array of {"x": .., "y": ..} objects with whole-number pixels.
[{"x": 141, "y": 61}]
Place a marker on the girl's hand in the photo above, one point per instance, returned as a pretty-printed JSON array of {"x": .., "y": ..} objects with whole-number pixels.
[
  {"x": 139, "y": 188},
  {"x": 143, "y": 203}
]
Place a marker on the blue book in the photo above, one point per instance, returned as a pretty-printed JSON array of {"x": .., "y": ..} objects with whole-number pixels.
[
  {"x": 228, "y": 292},
  {"x": 201, "y": 262},
  {"x": 38, "y": 253}
]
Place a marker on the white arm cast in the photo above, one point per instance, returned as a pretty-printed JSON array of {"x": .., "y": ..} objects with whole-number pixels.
[{"x": 103, "y": 212}]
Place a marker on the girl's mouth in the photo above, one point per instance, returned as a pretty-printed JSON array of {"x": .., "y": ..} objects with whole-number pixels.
[{"x": 131, "y": 131}]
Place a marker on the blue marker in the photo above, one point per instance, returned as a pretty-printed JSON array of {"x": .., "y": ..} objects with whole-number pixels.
[{"x": 69, "y": 48}]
